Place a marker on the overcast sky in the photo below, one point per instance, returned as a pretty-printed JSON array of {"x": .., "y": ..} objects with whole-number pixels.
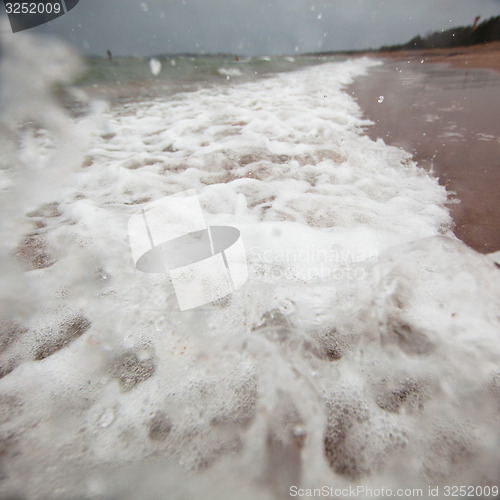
[{"x": 256, "y": 27}]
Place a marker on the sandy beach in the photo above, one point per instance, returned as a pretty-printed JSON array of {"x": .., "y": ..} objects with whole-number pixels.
[
  {"x": 441, "y": 106},
  {"x": 485, "y": 56}
]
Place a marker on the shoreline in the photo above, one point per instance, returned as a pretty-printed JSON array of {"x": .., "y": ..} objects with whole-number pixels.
[
  {"x": 440, "y": 106},
  {"x": 486, "y": 56}
]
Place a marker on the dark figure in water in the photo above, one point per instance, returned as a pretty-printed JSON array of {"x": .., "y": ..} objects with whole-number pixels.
[{"x": 110, "y": 56}]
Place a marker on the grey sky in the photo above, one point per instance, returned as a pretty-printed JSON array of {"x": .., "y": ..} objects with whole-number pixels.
[{"x": 147, "y": 27}]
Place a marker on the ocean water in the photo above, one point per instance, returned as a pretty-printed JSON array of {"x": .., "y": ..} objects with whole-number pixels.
[
  {"x": 361, "y": 351},
  {"x": 132, "y": 78}
]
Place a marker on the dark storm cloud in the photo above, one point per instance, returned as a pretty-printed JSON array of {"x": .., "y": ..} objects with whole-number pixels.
[{"x": 257, "y": 26}]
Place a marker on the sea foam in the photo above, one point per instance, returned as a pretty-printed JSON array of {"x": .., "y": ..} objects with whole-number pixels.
[{"x": 362, "y": 350}]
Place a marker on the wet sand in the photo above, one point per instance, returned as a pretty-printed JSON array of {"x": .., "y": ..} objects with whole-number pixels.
[
  {"x": 443, "y": 106},
  {"x": 485, "y": 56}
]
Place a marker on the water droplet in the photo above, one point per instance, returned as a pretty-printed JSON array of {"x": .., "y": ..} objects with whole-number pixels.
[
  {"x": 381, "y": 99},
  {"x": 107, "y": 418},
  {"x": 342, "y": 139},
  {"x": 155, "y": 66},
  {"x": 299, "y": 431},
  {"x": 286, "y": 306},
  {"x": 320, "y": 16},
  {"x": 422, "y": 61}
]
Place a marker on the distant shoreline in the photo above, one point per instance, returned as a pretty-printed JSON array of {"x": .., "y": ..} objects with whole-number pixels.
[
  {"x": 484, "y": 55},
  {"x": 473, "y": 56}
]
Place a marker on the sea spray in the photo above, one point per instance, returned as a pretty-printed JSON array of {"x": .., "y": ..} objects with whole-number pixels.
[
  {"x": 386, "y": 376},
  {"x": 41, "y": 146}
]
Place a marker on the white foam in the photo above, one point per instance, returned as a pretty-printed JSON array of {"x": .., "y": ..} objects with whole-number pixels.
[
  {"x": 362, "y": 349},
  {"x": 230, "y": 72}
]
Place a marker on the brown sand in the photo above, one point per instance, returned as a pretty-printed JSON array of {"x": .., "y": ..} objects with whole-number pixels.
[
  {"x": 440, "y": 106},
  {"x": 475, "y": 56}
]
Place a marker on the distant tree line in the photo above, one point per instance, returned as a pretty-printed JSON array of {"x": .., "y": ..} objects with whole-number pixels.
[{"x": 487, "y": 31}]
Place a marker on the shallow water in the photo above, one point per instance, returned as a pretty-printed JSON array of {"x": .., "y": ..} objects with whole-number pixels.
[{"x": 363, "y": 348}]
